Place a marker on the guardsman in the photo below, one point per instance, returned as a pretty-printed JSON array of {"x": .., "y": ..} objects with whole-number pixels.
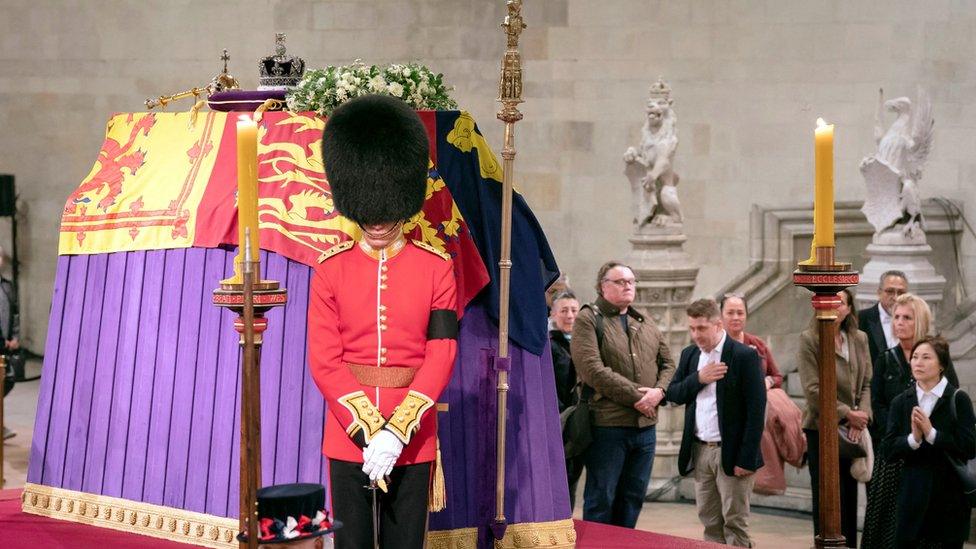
[{"x": 382, "y": 328}]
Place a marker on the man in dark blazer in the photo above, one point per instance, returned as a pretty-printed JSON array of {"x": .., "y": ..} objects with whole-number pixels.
[
  {"x": 720, "y": 382},
  {"x": 876, "y": 319}
]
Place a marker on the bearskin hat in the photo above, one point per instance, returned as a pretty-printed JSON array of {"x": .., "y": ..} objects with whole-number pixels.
[{"x": 376, "y": 153}]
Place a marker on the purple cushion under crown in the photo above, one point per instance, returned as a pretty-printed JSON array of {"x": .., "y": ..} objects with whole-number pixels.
[{"x": 243, "y": 100}]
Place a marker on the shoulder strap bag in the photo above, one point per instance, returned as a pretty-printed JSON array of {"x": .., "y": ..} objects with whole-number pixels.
[{"x": 966, "y": 479}]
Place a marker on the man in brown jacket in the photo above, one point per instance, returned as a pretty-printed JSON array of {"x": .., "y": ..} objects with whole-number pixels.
[{"x": 626, "y": 366}]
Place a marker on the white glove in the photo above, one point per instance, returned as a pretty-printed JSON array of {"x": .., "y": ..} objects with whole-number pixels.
[{"x": 381, "y": 454}]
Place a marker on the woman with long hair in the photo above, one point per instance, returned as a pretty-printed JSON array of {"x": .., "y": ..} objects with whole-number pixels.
[
  {"x": 928, "y": 425},
  {"x": 911, "y": 318},
  {"x": 853, "y": 365}
]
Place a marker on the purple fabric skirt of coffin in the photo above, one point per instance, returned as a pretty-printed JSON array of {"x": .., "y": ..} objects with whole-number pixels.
[
  {"x": 242, "y": 100},
  {"x": 139, "y": 395}
]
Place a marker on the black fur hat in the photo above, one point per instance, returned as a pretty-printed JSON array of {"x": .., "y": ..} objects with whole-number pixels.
[{"x": 376, "y": 152}]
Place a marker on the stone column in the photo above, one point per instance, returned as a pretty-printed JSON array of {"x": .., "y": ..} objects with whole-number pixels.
[
  {"x": 891, "y": 250},
  {"x": 666, "y": 280}
]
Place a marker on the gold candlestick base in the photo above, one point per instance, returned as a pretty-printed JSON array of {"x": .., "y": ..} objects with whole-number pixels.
[{"x": 823, "y": 260}]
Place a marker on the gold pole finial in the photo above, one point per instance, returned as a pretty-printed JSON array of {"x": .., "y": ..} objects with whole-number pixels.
[{"x": 510, "y": 83}]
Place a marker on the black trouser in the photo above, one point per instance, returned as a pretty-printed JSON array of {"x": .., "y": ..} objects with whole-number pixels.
[
  {"x": 403, "y": 511},
  {"x": 574, "y": 469},
  {"x": 848, "y": 490}
]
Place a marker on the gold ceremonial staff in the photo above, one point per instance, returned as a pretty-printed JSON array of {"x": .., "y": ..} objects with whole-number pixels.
[{"x": 509, "y": 95}]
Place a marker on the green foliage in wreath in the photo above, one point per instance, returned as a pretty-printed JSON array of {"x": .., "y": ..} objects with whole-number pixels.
[{"x": 322, "y": 90}]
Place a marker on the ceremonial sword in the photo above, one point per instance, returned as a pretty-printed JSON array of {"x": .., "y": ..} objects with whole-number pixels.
[{"x": 378, "y": 484}]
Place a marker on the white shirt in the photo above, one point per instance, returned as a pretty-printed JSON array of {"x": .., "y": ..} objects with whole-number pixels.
[
  {"x": 926, "y": 401},
  {"x": 886, "y": 327},
  {"x": 844, "y": 351},
  {"x": 706, "y": 403}
]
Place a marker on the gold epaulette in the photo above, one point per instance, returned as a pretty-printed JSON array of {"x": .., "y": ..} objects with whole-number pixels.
[
  {"x": 425, "y": 246},
  {"x": 337, "y": 249},
  {"x": 406, "y": 417},
  {"x": 365, "y": 415}
]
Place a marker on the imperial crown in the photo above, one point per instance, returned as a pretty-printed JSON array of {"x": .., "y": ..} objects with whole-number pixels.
[
  {"x": 659, "y": 90},
  {"x": 280, "y": 71}
]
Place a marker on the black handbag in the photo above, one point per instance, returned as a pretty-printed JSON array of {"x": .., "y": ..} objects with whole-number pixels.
[
  {"x": 9, "y": 375},
  {"x": 966, "y": 479},
  {"x": 576, "y": 422},
  {"x": 848, "y": 449},
  {"x": 576, "y": 419}
]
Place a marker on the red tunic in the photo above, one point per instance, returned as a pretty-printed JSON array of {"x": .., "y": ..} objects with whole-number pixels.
[{"x": 374, "y": 311}]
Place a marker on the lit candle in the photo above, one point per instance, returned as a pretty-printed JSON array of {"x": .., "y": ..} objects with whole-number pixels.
[
  {"x": 823, "y": 203},
  {"x": 823, "y": 191},
  {"x": 247, "y": 184}
]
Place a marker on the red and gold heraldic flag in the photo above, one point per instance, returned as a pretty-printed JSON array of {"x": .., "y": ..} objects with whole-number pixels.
[{"x": 169, "y": 180}]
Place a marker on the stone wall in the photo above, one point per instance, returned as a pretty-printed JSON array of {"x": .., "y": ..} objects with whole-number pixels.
[{"x": 749, "y": 79}]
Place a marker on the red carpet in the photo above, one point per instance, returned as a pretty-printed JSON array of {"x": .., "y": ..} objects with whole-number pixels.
[
  {"x": 591, "y": 535},
  {"x": 21, "y": 530}
]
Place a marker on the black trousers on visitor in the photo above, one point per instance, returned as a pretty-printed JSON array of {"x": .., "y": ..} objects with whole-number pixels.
[
  {"x": 848, "y": 490},
  {"x": 574, "y": 470}
]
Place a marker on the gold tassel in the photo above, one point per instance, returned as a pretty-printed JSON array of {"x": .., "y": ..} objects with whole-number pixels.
[
  {"x": 437, "y": 498},
  {"x": 268, "y": 104},
  {"x": 193, "y": 113}
]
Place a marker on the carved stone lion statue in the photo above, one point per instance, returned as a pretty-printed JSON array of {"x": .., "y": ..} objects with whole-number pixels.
[{"x": 648, "y": 166}]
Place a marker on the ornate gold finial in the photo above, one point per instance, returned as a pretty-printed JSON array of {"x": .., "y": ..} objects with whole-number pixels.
[
  {"x": 224, "y": 81},
  {"x": 510, "y": 83},
  {"x": 513, "y": 24}
]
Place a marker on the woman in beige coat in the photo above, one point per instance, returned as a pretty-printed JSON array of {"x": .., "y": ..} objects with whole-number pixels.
[{"x": 853, "y": 362}]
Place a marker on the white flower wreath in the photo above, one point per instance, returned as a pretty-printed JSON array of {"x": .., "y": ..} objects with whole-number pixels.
[{"x": 322, "y": 90}]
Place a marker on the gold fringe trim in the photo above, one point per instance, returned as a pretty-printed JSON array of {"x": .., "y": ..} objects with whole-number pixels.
[
  {"x": 558, "y": 534},
  {"x": 219, "y": 532},
  {"x": 460, "y": 538},
  {"x": 130, "y": 516}
]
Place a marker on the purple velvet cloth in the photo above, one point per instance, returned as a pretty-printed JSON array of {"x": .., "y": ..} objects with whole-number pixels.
[{"x": 140, "y": 393}]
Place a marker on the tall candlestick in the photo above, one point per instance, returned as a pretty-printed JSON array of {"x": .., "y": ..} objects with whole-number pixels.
[
  {"x": 823, "y": 194},
  {"x": 247, "y": 186}
]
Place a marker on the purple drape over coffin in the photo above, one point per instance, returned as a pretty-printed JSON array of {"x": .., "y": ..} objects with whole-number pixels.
[{"x": 140, "y": 395}]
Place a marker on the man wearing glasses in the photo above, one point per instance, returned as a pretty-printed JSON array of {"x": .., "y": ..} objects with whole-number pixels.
[
  {"x": 626, "y": 367},
  {"x": 876, "y": 320}
]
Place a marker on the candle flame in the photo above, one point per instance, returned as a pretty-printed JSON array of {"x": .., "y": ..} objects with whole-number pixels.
[{"x": 821, "y": 123}]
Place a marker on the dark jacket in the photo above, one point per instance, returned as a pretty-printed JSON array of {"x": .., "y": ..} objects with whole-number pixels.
[
  {"x": 562, "y": 366},
  {"x": 869, "y": 322},
  {"x": 741, "y": 396},
  {"x": 891, "y": 377},
  {"x": 9, "y": 311},
  {"x": 931, "y": 504},
  {"x": 638, "y": 358}
]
